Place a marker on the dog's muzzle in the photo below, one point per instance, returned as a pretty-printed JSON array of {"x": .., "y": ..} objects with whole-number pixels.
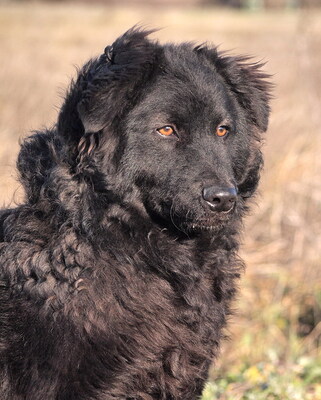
[{"x": 219, "y": 199}]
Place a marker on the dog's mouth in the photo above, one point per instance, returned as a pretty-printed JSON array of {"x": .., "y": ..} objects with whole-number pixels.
[
  {"x": 188, "y": 221},
  {"x": 210, "y": 222},
  {"x": 205, "y": 225}
]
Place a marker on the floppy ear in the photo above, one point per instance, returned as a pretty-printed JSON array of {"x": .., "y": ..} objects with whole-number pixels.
[
  {"x": 246, "y": 80},
  {"x": 105, "y": 89}
]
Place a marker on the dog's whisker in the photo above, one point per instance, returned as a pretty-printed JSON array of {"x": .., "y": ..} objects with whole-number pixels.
[{"x": 172, "y": 217}]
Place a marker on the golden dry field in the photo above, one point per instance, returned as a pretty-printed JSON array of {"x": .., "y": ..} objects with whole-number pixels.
[{"x": 274, "y": 351}]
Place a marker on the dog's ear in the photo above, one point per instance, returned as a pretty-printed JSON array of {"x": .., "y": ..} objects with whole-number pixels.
[
  {"x": 251, "y": 86},
  {"x": 110, "y": 84},
  {"x": 105, "y": 88}
]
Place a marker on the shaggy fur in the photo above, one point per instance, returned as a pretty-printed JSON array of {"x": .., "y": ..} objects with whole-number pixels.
[{"x": 116, "y": 272}]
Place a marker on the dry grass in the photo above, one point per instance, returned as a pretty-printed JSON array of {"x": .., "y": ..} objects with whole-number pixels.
[{"x": 279, "y": 317}]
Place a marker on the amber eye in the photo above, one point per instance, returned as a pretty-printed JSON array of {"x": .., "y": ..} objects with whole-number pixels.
[
  {"x": 222, "y": 130},
  {"x": 166, "y": 130}
]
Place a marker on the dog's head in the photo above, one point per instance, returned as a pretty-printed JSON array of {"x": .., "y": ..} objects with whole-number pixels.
[{"x": 179, "y": 126}]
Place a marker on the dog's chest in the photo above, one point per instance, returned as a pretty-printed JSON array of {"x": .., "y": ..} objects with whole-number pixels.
[
  {"x": 162, "y": 300},
  {"x": 164, "y": 323}
]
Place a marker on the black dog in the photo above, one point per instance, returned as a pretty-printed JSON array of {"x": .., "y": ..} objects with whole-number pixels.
[{"x": 118, "y": 270}]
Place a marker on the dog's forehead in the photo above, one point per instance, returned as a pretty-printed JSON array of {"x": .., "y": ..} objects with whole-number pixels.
[
  {"x": 185, "y": 74},
  {"x": 184, "y": 60},
  {"x": 185, "y": 83}
]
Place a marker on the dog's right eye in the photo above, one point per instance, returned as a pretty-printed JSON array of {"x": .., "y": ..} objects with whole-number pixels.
[
  {"x": 222, "y": 130},
  {"x": 166, "y": 130}
]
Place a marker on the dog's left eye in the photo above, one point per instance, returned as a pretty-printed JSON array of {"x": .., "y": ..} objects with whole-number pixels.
[
  {"x": 222, "y": 130},
  {"x": 166, "y": 130}
]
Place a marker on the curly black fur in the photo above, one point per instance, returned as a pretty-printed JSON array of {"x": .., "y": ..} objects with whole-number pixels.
[{"x": 116, "y": 276}]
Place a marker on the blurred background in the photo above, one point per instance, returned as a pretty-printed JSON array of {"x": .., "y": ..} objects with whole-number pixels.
[{"x": 274, "y": 346}]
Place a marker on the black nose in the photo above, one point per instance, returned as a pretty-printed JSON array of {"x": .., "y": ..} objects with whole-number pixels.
[{"x": 219, "y": 198}]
